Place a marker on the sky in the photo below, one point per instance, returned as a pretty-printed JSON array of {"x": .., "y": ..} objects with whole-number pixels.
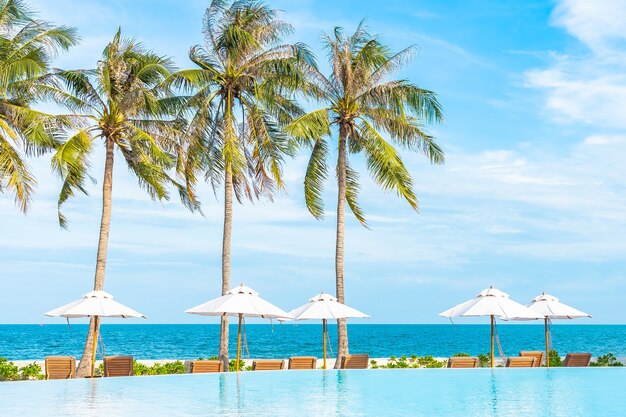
[{"x": 531, "y": 198}]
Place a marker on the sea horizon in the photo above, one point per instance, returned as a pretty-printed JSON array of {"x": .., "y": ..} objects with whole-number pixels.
[{"x": 191, "y": 341}]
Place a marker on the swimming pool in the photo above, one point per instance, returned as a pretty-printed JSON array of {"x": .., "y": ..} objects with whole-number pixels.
[{"x": 403, "y": 392}]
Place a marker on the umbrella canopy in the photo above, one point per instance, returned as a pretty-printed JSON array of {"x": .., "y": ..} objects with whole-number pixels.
[
  {"x": 550, "y": 308},
  {"x": 325, "y": 306},
  {"x": 240, "y": 300},
  {"x": 493, "y": 303},
  {"x": 95, "y": 303}
]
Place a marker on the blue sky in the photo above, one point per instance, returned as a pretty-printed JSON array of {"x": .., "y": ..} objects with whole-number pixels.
[{"x": 531, "y": 199}]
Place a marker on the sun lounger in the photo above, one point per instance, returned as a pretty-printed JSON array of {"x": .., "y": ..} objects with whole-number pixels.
[
  {"x": 520, "y": 362},
  {"x": 60, "y": 367},
  {"x": 537, "y": 354},
  {"x": 268, "y": 365},
  {"x": 302, "y": 362},
  {"x": 118, "y": 366},
  {"x": 208, "y": 366},
  {"x": 360, "y": 361},
  {"x": 577, "y": 359},
  {"x": 462, "y": 362}
]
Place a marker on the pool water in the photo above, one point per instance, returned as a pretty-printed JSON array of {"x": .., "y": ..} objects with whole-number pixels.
[{"x": 404, "y": 392}]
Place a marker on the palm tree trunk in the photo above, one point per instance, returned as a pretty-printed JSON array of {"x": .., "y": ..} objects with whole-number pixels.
[
  {"x": 84, "y": 367},
  {"x": 228, "y": 225},
  {"x": 342, "y": 328}
]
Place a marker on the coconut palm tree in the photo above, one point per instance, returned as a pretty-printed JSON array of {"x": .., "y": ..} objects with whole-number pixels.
[
  {"x": 371, "y": 113},
  {"x": 27, "y": 47},
  {"x": 241, "y": 98},
  {"x": 122, "y": 106}
]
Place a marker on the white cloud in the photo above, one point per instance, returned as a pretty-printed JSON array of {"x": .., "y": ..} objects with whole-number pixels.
[{"x": 587, "y": 86}]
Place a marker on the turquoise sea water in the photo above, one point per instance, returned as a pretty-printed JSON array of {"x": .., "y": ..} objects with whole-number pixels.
[
  {"x": 538, "y": 392},
  {"x": 176, "y": 341}
]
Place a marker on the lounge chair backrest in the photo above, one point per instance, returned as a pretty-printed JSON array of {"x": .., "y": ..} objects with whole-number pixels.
[
  {"x": 208, "y": 366},
  {"x": 302, "y": 362},
  {"x": 118, "y": 366},
  {"x": 462, "y": 362},
  {"x": 537, "y": 354},
  {"x": 60, "y": 367},
  {"x": 360, "y": 361},
  {"x": 520, "y": 362},
  {"x": 268, "y": 365},
  {"x": 577, "y": 359}
]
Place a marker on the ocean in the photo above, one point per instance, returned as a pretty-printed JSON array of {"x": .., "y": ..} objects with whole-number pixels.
[{"x": 190, "y": 341}]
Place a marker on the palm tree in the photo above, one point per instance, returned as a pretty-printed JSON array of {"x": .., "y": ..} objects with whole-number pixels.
[
  {"x": 363, "y": 104},
  {"x": 27, "y": 46},
  {"x": 121, "y": 104},
  {"x": 239, "y": 101}
]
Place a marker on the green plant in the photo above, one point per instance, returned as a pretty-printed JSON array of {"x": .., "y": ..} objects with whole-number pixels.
[
  {"x": 363, "y": 110},
  {"x": 240, "y": 99},
  {"x": 31, "y": 372},
  {"x": 374, "y": 364},
  {"x": 555, "y": 359},
  {"x": 27, "y": 49},
  {"x": 119, "y": 108},
  {"x": 8, "y": 370},
  {"x": 484, "y": 360},
  {"x": 232, "y": 365},
  {"x": 461, "y": 355},
  {"x": 140, "y": 368},
  {"x": 398, "y": 363},
  {"x": 167, "y": 368},
  {"x": 606, "y": 360},
  {"x": 430, "y": 362}
]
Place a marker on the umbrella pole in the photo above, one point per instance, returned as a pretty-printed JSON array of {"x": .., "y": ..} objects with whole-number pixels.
[
  {"x": 324, "y": 330},
  {"x": 96, "y": 319},
  {"x": 238, "y": 342},
  {"x": 493, "y": 323},
  {"x": 547, "y": 342}
]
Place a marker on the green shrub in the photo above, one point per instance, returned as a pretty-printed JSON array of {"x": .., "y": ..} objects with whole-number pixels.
[
  {"x": 461, "y": 355},
  {"x": 398, "y": 363},
  {"x": 606, "y": 360},
  {"x": 140, "y": 368},
  {"x": 31, "y": 372},
  {"x": 430, "y": 362},
  {"x": 484, "y": 360},
  {"x": 555, "y": 359},
  {"x": 167, "y": 368},
  {"x": 8, "y": 370},
  {"x": 242, "y": 365},
  {"x": 374, "y": 364}
]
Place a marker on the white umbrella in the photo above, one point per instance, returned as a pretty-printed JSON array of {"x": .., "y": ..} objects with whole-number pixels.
[
  {"x": 549, "y": 307},
  {"x": 324, "y": 307},
  {"x": 240, "y": 301},
  {"x": 95, "y": 304},
  {"x": 493, "y": 303}
]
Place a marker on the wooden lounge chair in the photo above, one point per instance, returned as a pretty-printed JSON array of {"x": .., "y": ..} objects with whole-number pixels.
[
  {"x": 360, "y": 361},
  {"x": 203, "y": 367},
  {"x": 462, "y": 362},
  {"x": 302, "y": 362},
  {"x": 520, "y": 362},
  {"x": 537, "y": 354},
  {"x": 60, "y": 367},
  {"x": 118, "y": 366},
  {"x": 577, "y": 359},
  {"x": 268, "y": 365}
]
